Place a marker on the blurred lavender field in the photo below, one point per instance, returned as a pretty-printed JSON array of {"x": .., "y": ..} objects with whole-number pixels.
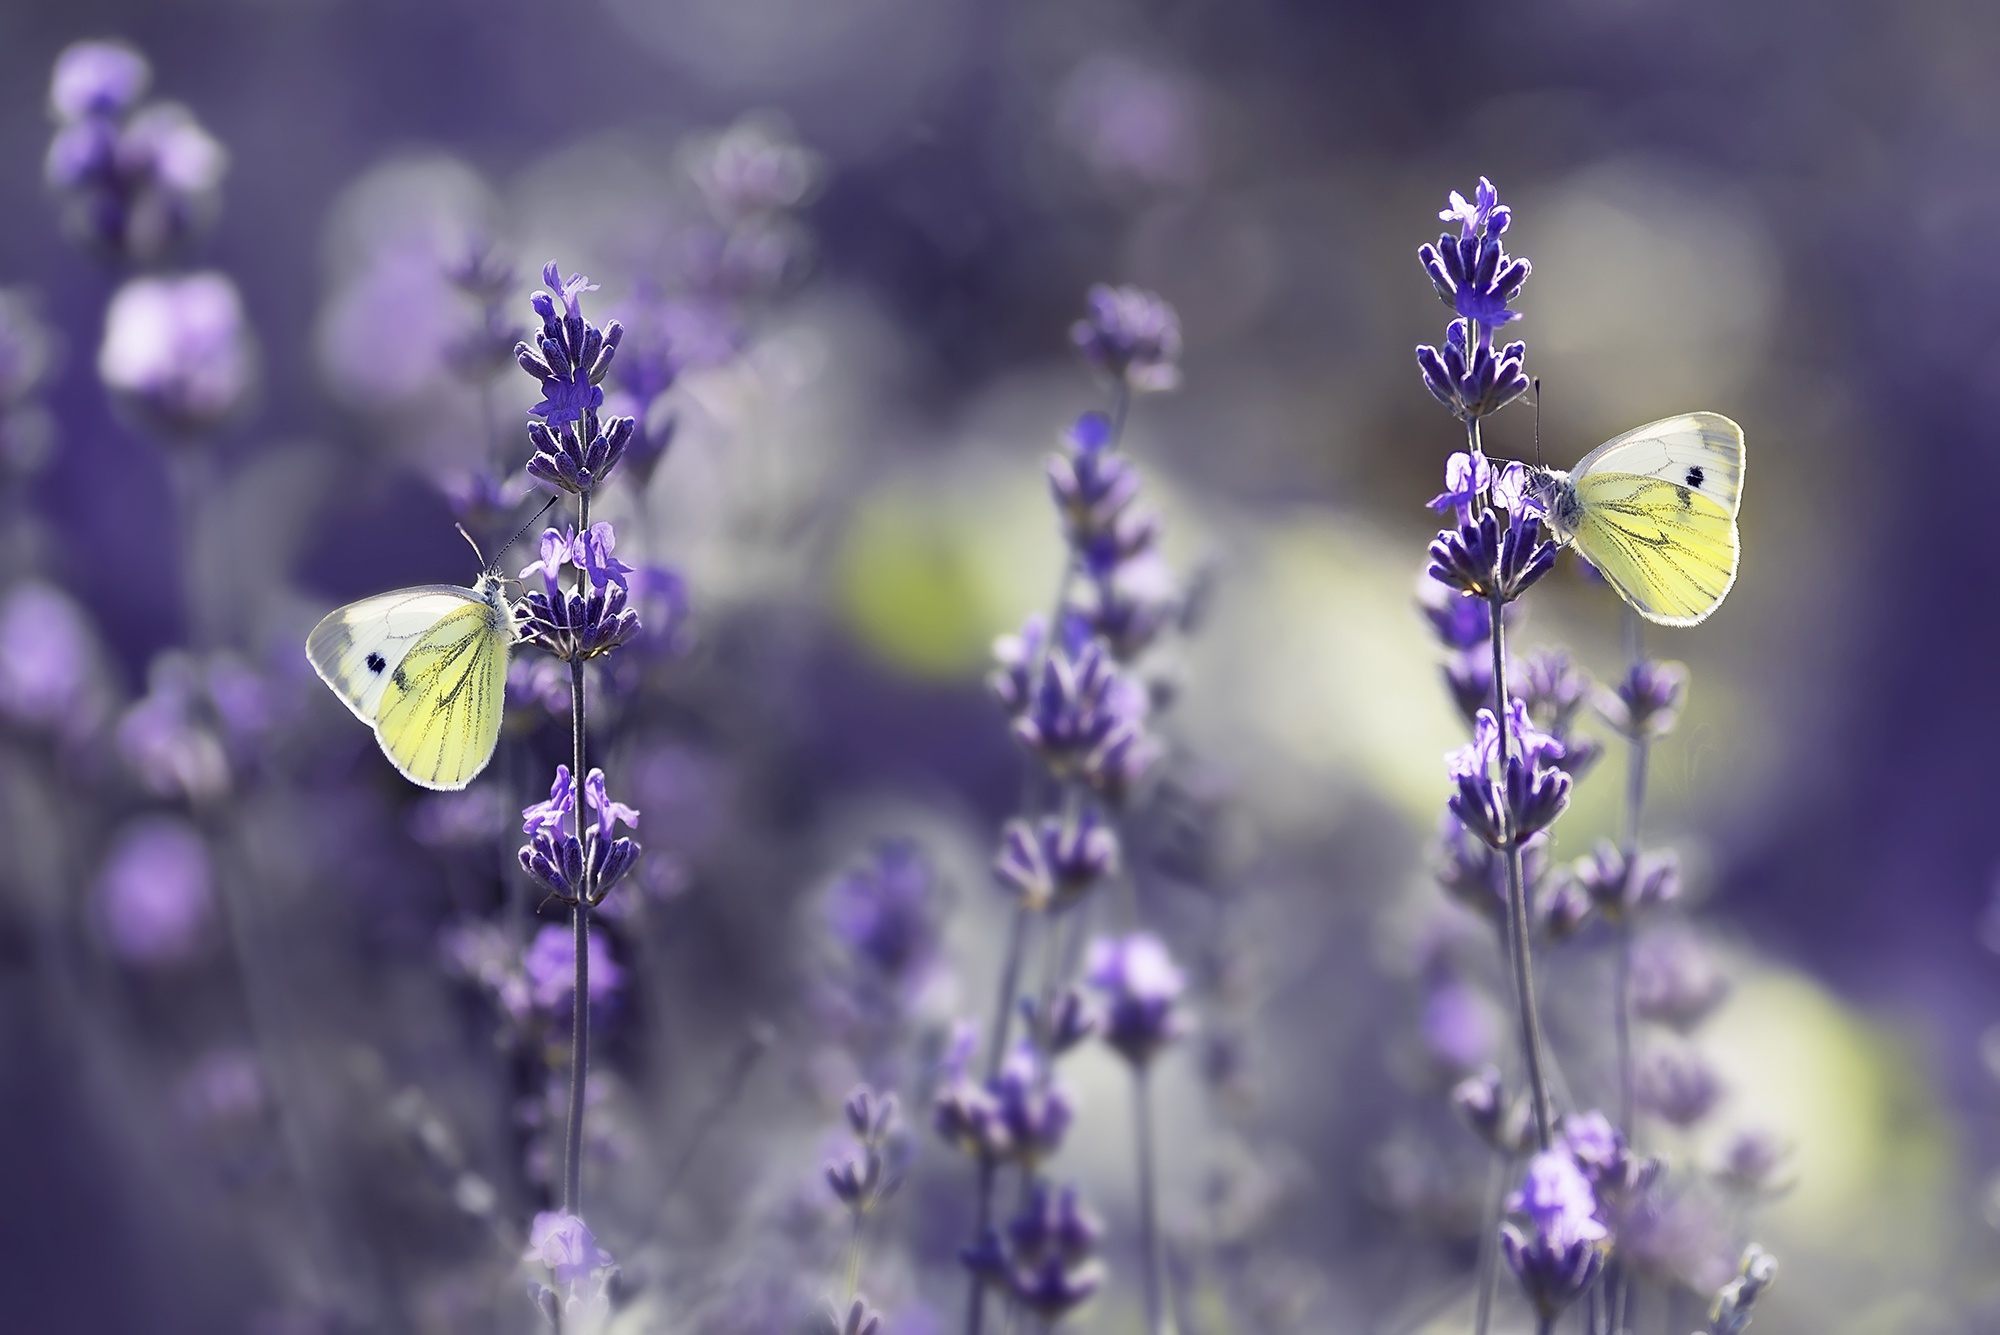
[{"x": 940, "y": 317}]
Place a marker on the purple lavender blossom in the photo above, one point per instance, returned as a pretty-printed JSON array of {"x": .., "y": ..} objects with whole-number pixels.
[
  {"x": 1481, "y": 1099},
  {"x": 574, "y": 450},
  {"x": 1675, "y": 981},
  {"x": 1752, "y": 1163},
  {"x": 582, "y": 623},
  {"x": 1560, "y": 1251},
  {"x": 1473, "y": 274},
  {"x": 1483, "y": 559},
  {"x": 577, "y": 868},
  {"x": 1755, "y": 1273},
  {"x": 135, "y": 183},
  {"x": 886, "y": 910},
  {"x": 863, "y": 1181},
  {"x": 178, "y": 353},
  {"x": 1141, "y": 987},
  {"x": 1050, "y": 1270},
  {"x": 549, "y": 964},
  {"x": 1647, "y": 703},
  {"x": 1457, "y": 1025},
  {"x": 1053, "y": 863},
  {"x": 1621, "y": 890},
  {"x": 1131, "y": 336},
  {"x": 168, "y": 738},
  {"x": 1675, "y": 1083},
  {"x": 565, "y": 1246},
  {"x": 1508, "y": 807},
  {"x": 1085, "y": 719},
  {"x": 48, "y": 663},
  {"x": 1033, "y": 1107},
  {"x": 155, "y": 894},
  {"x": 755, "y": 167}
]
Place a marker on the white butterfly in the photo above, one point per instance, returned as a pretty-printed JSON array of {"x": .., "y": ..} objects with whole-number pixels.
[
  {"x": 426, "y": 668},
  {"x": 1655, "y": 511}
]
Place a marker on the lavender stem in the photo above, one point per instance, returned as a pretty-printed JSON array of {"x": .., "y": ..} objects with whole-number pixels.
[
  {"x": 1157, "y": 1322},
  {"x": 579, "y": 1031}
]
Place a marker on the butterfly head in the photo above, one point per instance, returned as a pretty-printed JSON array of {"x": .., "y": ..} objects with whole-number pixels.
[{"x": 1555, "y": 491}]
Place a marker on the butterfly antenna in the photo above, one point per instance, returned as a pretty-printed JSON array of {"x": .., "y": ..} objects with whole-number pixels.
[
  {"x": 522, "y": 531},
  {"x": 474, "y": 545},
  {"x": 1538, "y": 421}
]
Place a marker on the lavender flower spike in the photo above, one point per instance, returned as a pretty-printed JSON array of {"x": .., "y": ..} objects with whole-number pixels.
[
  {"x": 1560, "y": 1251},
  {"x": 582, "y": 623},
  {"x": 573, "y": 449},
  {"x": 1130, "y": 335},
  {"x": 1141, "y": 985}
]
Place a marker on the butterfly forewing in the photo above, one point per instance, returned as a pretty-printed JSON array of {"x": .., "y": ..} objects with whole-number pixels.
[
  {"x": 1702, "y": 452},
  {"x": 439, "y": 714},
  {"x": 1669, "y": 550},
  {"x": 355, "y": 648}
]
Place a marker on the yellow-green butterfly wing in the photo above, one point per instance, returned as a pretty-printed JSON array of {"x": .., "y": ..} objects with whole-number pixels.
[
  {"x": 426, "y": 668},
  {"x": 1655, "y": 512},
  {"x": 1670, "y": 551}
]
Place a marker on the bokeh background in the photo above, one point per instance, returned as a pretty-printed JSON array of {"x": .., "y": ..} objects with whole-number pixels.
[{"x": 1781, "y": 212}]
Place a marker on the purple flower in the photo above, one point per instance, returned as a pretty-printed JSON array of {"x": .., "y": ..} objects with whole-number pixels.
[
  {"x": 48, "y": 662},
  {"x": 1675, "y": 1083},
  {"x": 885, "y": 910},
  {"x": 1035, "y": 1110},
  {"x": 1473, "y": 381},
  {"x": 1648, "y": 702},
  {"x": 549, "y": 964},
  {"x": 168, "y": 739},
  {"x": 1755, "y": 1272},
  {"x": 97, "y": 79},
  {"x": 592, "y": 617},
  {"x": 865, "y": 1180},
  {"x": 584, "y": 865},
  {"x": 178, "y": 352},
  {"x": 1472, "y": 272},
  {"x": 1480, "y": 558},
  {"x": 1620, "y": 890},
  {"x": 1752, "y": 1162},
  {"x": 1512, "y": 805},
  {"x": 1055, "y": 862},
  {"x": 1467, "y": 478},
  {"x": 1674, "y": 980},
  {"x": 1461, "y": 623},
  {"x": 1130, "y": 335},
  {"x": 754, "y": 167},
  {"x": 573, "y": 354},
  {"x": 1482, "y": 1101},
  {"x": 1559, "y": 1252},
  {"x": 155, "y": 894},
  {"x": 1141, "y": 985},
  {"x": 1085, "y": 718},
  {"x": 1457, "y": 1026},
  {"x": 564, "y": 1244}
]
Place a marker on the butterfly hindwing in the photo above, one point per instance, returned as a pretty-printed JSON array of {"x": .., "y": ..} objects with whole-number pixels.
[
  {"x": 1670, "y": 550},
  {"x": 439, "y": 715},
  {"x": 1702, "y": 452}
]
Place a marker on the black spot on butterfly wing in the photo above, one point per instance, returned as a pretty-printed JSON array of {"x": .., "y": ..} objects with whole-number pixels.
[
  {"x": 1695, "y": 477},
  {"x": 376, "y": 663}
]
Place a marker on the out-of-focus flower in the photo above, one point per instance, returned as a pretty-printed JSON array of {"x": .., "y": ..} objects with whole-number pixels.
[
  {"x": 1141, "y": 986},
  {"x": 1752, "y": 1162},
  {"x": 466, "y": 819},
  {"x": 178, "y": 353},
  {"x": 49, "y": 678},
  {"x": 1033, "y": 1106},
  {"x": 1648, "y": 702},
  {"x": 1556, "y": 691},
  {"x": 136, "y": 183},
  {"x": 1457, "y": 1024},
  {"x": 1052, "y": 864},
  {"x": 156, "y": 893},
  {"x": 1561, "y": 1250},
  {"x": 1085, "y": 718},
  {"x": 487, "y": 954},
  {"x": 660, "y": 600},
  {"x": 867, "y": 1179},
  {"x": 549, "y": 963},
  {"x": 1621, "y": 890},
  {"x": 1482, "y": 1101},
  {"x": 169, "y": 739},
  {"x": 582, "y": 1270},
  {"x": 1048, "y": 1260},
  {"x": 482, "y": 275},
  {"x": 1131, "y": 336},
  {"x": 1675, "y": 1083},
  {"x": 1731, "y": 1312},
  {"x": 1133, "y": 123},
  {"x": 756, "y": 166},
  {"x": 225, "y": 1086},
  {"x": 1674, "y": 979},
  {"x": 886, "y": 910}
]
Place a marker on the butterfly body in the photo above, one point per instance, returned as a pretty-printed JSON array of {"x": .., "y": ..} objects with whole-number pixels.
[
  {"x": 1655, "y": 511},
  {"x": 426, "y": 668}
]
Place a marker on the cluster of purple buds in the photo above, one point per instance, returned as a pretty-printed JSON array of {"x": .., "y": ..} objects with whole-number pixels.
[
  {"x": 1083, "y": 716},
  {"x": 1054, "y": 862},
  {"x": 1621, "y": 888},
  {"x": 1019, "y": 1116},
  {"x": 1129, "y": 595},
  {"x": 1647, "y": 704},
  {"x": 1556, "y": 691},
  {"x": 870, "y": 1176},
  {"x": 488, "y": 280},
  {"x": 1731, "y": 1312},
  {"x": 859, "y": 1319},
  {"x": 136, "y": 183},
  {"x": 1131, "y": 336},
  {"x": 574, "y": 450},
  {"x": 548, "y": 971},
  {"x": 1070, "y": 1019},
  {"x": 1559, "y": 1245},
  {"x": 1504, "y": 1124},
  {"x": 1482, "y": 557},
  {"x": 50, "y": 670},
  {"x": 1506, "y": 806},
  {"x": 1474, "y": 275},
  {"x": 1464, "y": 629},
  {"x": 564, "y": 1245},
  {"x": 584, "y": 866},
  {"x": 1141, "y": 987},
  {"x": 886, "y": 911},
  {"x": 1677, "y": 1084},
  {"x": 1472, "y": 872},
  {"x": 1045, "y": 1259},
  {"x": 583, "y": 622}
]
